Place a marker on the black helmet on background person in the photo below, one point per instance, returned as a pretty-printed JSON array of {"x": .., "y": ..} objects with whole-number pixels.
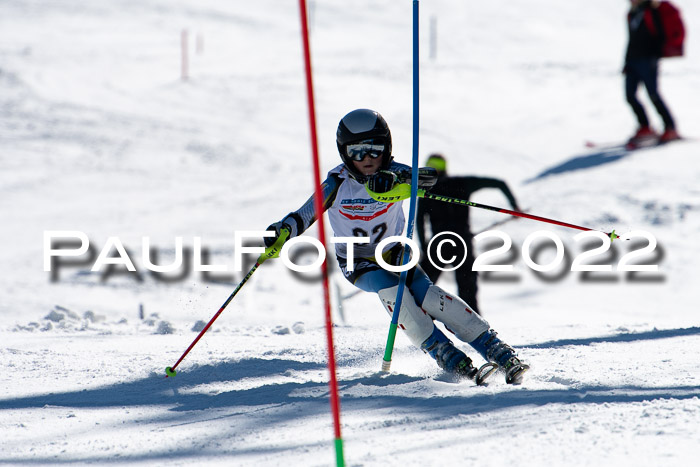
[{"x": 363, "y": 126}]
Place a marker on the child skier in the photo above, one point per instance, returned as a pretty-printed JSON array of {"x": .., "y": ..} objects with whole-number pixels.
[{"x": 364, "y": 143}]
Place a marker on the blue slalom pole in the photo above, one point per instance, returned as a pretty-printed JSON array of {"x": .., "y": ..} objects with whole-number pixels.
[{"x": 386, "y": 363}]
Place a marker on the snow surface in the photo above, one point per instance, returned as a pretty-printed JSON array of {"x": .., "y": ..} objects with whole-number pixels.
[{"x": 99, "y": 134}]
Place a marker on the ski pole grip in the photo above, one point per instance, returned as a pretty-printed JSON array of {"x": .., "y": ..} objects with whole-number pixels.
[
  {"x": 400, "y": 192},
  {"x": 273, "y": 251}
]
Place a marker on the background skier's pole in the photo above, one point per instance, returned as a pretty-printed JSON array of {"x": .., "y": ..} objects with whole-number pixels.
[
  {"x": 386, "y": 363},
  {"x": 318, "y": 206}
]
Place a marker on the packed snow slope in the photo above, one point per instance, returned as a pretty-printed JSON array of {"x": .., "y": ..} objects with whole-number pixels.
[{"x": 99, "y": 134}]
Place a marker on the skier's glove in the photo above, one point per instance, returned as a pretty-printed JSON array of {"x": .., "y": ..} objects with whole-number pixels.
[
  {"x": 276, "y": 228},
  {"x": 382, "y": 181},
  {"x": 274, "y": 244},
  {"x": 427, "y": 177}
]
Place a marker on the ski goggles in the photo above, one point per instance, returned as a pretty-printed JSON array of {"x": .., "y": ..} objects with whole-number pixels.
[{"x": 371, "y": 148}]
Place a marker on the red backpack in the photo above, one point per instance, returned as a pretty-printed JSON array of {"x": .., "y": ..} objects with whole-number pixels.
[{"x": 674, "y": 30}]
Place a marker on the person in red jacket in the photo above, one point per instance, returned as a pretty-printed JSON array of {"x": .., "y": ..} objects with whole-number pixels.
[{"x": 644, "y": 49}]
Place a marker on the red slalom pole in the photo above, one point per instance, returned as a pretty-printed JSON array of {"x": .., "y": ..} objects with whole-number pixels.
[
  {"x": 184, "y": 57},
  {"x": 318, "y": 207}
]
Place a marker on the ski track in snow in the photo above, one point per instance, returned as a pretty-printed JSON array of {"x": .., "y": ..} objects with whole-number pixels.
[{"x": 98, "y": 134}]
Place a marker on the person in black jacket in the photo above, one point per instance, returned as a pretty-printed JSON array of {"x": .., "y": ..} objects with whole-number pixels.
[
  {"x": 447, "y": 217},
  {"x": 646, "y": 38}
]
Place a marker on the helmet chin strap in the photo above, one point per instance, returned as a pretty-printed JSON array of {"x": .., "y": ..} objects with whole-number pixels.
[
  {"x": 362, "y": 178},
  {"x": 359, "y": 178}
]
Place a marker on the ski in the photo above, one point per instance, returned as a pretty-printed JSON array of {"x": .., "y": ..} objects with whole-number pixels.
[
  {"x": 484, "y": 371},
  {"x": 630, "y": 145},
  {"x": 646, "y": 142},
  {"x": 607, "y": 145},
  {"x": 626, "y": 146},
  {"x": 515, "y": 375}
]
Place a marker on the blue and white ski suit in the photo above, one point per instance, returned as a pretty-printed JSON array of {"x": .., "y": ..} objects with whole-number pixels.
[{"x": 353, "y": 213}]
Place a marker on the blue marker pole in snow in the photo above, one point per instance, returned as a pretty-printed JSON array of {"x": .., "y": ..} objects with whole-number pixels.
[{"x": 386, "y": 363}]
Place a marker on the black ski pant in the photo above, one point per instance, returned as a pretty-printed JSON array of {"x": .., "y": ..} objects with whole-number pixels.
[{"x": 646, "y": 70}]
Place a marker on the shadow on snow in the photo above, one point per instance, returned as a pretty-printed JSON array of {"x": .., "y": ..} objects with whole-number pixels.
[
  {"x": 600, "y": 157},
  {"x": 621, "y": 337},
  {"x": 300, "y": 397}
]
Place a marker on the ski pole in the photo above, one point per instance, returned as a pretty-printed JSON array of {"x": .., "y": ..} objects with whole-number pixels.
[
  {"x": 271, "y": 252},
  {"x": 402, "y": 191},
  {"x": 496, "y": 224},
  {"x": 525, "y": 215}
]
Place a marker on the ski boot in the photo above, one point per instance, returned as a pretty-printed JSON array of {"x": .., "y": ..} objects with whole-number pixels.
[
  {"x": 669, "y": 135},
  {"x": 495, "y": 350},
  {"x": 515, "y": 369},
  {"x": 645, "y": 136},
  {"x": 453, "y": 360}
]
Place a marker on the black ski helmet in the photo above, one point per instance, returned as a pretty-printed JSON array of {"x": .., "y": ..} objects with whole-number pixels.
[{"x": 361, "y": 125}]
